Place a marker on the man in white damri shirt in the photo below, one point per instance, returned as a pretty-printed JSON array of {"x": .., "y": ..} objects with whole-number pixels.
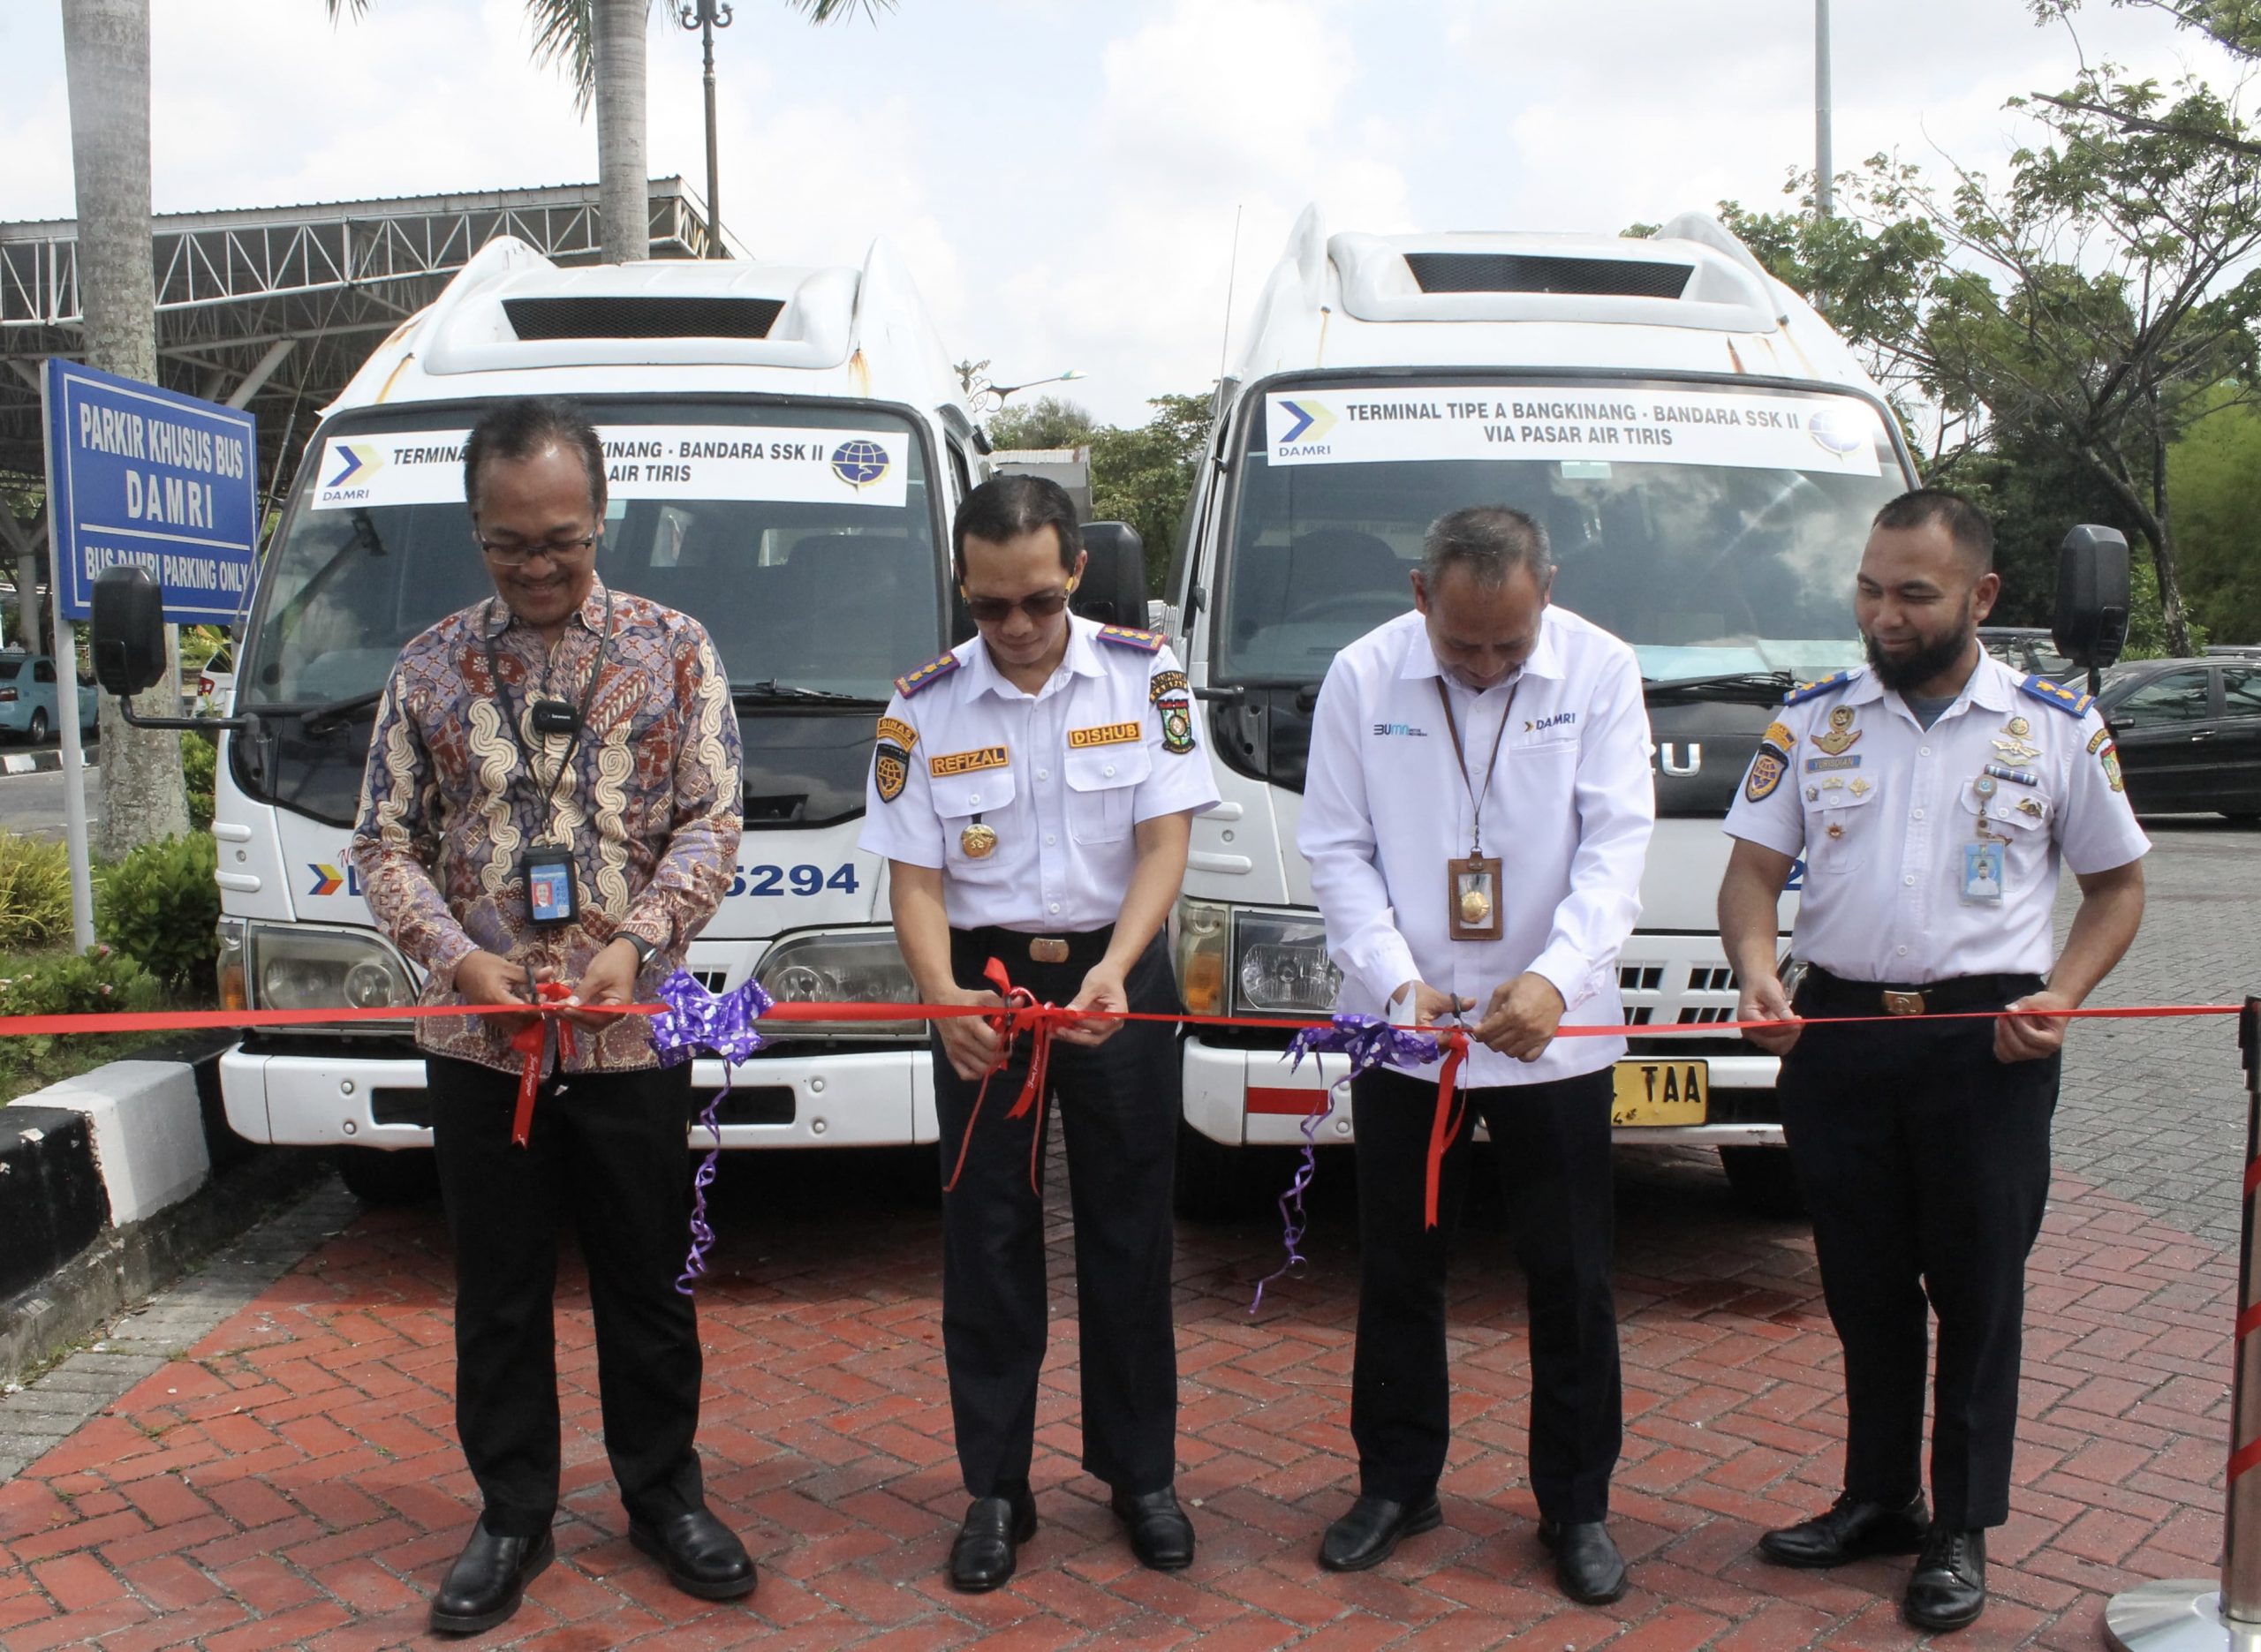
[{"x": 1476, "y": 814}]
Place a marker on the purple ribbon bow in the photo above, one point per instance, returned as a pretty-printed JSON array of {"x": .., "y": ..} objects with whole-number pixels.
[
  {"x": 1370, "y": 1042},
  {"x": 696, "y": 1022}
]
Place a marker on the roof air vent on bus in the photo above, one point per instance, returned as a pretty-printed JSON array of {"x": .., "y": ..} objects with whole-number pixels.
[
  {"x": 640, "y": 315},
  {"x": 1524, "y": 272}
]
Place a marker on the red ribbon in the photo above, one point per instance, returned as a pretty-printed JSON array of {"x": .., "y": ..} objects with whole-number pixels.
[
  {"x": 529, "y": 1041},
  {"x": 1021, "y": 1007},
  {"x": 1452, "y": 1112}
]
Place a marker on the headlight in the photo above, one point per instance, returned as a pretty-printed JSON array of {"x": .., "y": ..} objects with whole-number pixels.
[
  {"x": 841, "y": 966},
  {"x": 1248, "y": 960},
  {"x": 291, "y": 967},
  {"x": 1281, "y": 966}
]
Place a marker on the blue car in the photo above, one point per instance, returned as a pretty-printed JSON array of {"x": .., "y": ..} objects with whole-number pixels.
[{"x": 28, "y": 703}]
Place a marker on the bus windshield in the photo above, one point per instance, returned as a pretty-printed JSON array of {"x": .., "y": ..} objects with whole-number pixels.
[
  {"x": 1714, "y": 527},
  {"x": 802, "y": 537}
]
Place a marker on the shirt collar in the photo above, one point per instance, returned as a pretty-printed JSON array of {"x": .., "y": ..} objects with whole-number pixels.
[
  {"x": 1545, "y": 660},
  {"x": 499, "y": 619},
  {"x": 1992, "y": 686},
  {"x": 1081, "y": 660}
]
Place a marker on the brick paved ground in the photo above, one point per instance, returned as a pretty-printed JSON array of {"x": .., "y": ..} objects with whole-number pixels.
[{"x": 292, "y": 1480}]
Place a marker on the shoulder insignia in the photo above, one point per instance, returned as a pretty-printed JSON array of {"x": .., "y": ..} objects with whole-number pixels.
[
  {"x": 1164, "y": 683},
  {"x": 1125, "y": 637},
  {"x": 2063, "y": 699},
  {"x": 1820, "y": 685},
  {"x": 932, "y": 672}
]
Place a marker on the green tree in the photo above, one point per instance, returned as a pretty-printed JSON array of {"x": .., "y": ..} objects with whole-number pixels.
[
  {"x": 1144, "y": 476},
  {"x": 2217, "y": 488},
  {"x": 1050, "y": 421}
]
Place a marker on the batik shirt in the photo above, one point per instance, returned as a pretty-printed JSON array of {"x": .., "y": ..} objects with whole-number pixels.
[{"x": 649, "y": 808}]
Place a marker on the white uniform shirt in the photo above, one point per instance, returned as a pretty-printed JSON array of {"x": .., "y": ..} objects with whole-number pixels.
[
  {"x": 1060, "y": 776},
  {"x": 1567, "y": 813},
  {"x": 1882, "y": 807}
]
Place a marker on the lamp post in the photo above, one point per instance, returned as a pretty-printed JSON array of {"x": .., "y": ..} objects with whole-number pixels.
[
  {"x": 1001, "y": 391},
  {"x": 706, "y": 16}
]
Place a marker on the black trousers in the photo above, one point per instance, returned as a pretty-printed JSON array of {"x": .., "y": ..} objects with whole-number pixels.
[
  {"x": 610, "y": 1151},
  {"x": 1118, "y": 1107},
  {"x": 1925, "y": 1163},
  {"x": 1551, "y": 1141}
]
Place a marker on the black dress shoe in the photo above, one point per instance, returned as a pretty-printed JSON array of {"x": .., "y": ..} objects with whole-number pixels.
[
  {"x": 488, "y": 1579},
  {"x": 1849, "y": 1531},
  {"x": 1586, "y": 1561},
  {"x": 1160, "y": 1535},
  {"x": 982, "y": 1558},
  {"x": 1367, "y": 1535},
  {"x": 1950, "y": 1589},
  {"x": 702, "y": 1555}
]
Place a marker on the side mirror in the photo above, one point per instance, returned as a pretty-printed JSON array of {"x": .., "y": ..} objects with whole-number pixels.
[
  {"x": 2092, "y": 596},
  {"x": 129, "y": 640},
  {"x": 1114, "y": 587}
]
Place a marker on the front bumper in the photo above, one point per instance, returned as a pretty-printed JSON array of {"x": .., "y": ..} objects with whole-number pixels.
[
  {"x": 353, "y": 1097},
  {"x": 1248, "y": 1096}
]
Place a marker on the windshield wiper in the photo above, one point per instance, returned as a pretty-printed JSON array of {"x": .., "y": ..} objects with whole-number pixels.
[
  {"x": 1749, "y": 688},
  {"x": 769, "y": 691}
]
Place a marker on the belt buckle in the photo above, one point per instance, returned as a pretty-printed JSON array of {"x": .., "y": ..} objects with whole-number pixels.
[
  {"x": 1903, "y": 1003},
  {"x": 1047, "y": 949}
]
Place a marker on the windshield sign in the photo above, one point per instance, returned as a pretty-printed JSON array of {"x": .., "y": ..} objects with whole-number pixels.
[
  {"x": 1715, "y": 528},
  {"x": 793, "y": 463}
]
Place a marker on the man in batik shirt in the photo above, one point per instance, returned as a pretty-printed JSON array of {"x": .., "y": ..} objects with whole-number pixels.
[{"x": 553, "y": 797}]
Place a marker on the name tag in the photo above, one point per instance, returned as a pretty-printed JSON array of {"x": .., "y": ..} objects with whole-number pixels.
[
  {"x": 966, "y": 762},
  {"x": 1106, "y": 735}
]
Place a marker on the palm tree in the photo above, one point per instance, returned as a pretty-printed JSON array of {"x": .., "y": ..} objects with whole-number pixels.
[
  {"x": 601, "y": 43},
  {"x": 106, "y": 66}
]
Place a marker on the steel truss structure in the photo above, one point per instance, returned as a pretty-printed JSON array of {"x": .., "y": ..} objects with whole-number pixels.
[{"x": 274, "y": 309}]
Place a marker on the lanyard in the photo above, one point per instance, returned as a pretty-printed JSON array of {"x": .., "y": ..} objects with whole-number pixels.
[
  {"x": 546, "y": 791},
  {"x": 1476, "y": 795}
]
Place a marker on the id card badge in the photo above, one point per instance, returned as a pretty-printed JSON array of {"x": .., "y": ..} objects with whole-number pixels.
[
  {"x": 549, "y": 886},
  {"x": 1982, "y": 873},
  {"x": 1472, "y": 897}
]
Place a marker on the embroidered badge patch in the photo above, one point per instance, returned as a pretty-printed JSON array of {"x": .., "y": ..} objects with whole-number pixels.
[
  {"x": 1164, "y": 683},
  {"x": 890, "y": 769},
  {"x": 1176, "y": 708},
  {"x": 899, "y": 732},
  {"x": 966, "y": 762},
  {"x": 1767, "y": 772},
  {"x": 1106, "y": 735}
]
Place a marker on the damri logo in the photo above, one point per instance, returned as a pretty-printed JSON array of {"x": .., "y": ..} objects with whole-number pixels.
[
  {"x": 1312, "y": 421},
  {"x": 1836, "y": 430},
  {"x": 357, "y": 462},
  {"x": 859, "y": 464}
]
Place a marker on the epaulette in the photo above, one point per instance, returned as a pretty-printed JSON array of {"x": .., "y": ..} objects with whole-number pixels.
[
  {"x": 1125, "y": 637},
  {"x": 933, "y": 671},
  {"x": 1822, "y": 685},
  {"x": 2055, "y": 694}
]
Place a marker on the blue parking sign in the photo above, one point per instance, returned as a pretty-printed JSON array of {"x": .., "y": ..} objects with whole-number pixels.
[{"x": 141, "y": 477}]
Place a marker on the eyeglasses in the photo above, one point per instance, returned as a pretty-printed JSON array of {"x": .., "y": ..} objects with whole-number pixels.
[
  {"x": 511, "y": 554},
  {"x": 1037, "y": 605}
]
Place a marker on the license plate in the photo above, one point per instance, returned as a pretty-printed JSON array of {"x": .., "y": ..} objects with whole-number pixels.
[{"x": 1661, "y": 1092}]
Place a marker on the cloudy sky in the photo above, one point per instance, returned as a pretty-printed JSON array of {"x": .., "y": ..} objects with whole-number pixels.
[{"x": 1064, "y": 175}]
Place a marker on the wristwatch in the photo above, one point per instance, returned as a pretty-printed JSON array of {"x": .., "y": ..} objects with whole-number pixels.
[{"x": 644, "y": 948}]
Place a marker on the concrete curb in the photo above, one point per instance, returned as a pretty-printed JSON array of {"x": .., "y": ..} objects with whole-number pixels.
[{"x": 30, "y": 762}]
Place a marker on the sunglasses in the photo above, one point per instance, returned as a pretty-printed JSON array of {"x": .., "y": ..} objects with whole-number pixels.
[{"x": 1040, "y": 604}]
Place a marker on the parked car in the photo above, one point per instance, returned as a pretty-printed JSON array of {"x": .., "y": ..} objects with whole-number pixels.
[
  {"x": 216, "y": 684},
  {"x": 2189, "y": 733},
  {"x": 27, "y": 704},
  {"x": 2030, "y": 648}
]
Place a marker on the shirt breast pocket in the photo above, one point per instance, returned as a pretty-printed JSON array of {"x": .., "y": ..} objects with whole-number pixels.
[
  {"x": 1102, "y": 782},
  {"x": 2021, "y": 818},
  {"x": 1841, "y": 829},
  {"x": 960, "y": 801}
]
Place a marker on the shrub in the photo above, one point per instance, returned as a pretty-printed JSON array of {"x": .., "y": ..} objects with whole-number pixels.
[
  {"x": 199, "y": 758},
  {"x": 95, "y": 981},
  {"x": 161, "y": 907},
  {"x": 34, "y": 893}
]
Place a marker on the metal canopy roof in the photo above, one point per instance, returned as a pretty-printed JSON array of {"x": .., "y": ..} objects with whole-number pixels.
[{"x": 275, "y": 308}]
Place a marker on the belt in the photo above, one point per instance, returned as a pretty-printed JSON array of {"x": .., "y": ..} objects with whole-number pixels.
[
  {"x": 1929, "y": 998},
  {"x": 1083, "y": 948}
]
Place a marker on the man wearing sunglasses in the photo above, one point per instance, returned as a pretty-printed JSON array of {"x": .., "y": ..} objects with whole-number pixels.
[{"x": 1033, "y": 791}]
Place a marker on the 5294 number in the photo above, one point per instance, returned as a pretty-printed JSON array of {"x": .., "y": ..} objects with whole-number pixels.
[{"x": 780, "y": 880}]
